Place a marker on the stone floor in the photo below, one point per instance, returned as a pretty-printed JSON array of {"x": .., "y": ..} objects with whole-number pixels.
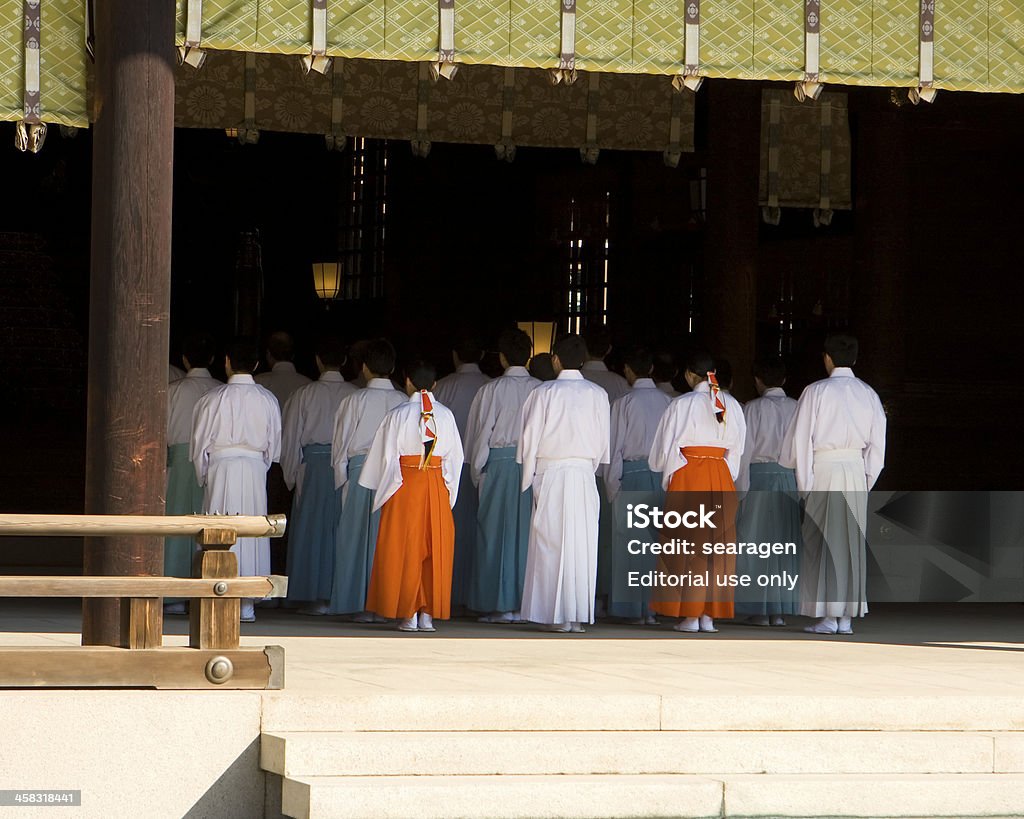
[{"x": 908, "y": 649}]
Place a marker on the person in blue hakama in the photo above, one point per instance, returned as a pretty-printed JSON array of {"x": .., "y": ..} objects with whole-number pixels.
[
  {"x": 355, "y": 424},
  {"x": 498, "y": 568},
  {"x": 634, "y": 420}
]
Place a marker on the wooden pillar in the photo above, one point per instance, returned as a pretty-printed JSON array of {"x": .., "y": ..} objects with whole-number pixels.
[
  {"x": 730, "y": 271},
  {"x": 129, "y": 300}
]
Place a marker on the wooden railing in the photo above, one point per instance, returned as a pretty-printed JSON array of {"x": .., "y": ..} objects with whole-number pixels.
[{"x": 214, "y": 658}]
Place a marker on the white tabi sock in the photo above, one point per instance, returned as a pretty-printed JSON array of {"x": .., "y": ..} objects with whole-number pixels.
[
  {"x": 826, "y": 625},
  {"x": 688, "y": 624}
]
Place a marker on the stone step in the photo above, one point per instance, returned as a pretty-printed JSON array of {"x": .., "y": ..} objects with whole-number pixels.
[
  {"x": 518, "y": 797},
  {"x": 637, "y": 752},
  {"x": 586, "y": 711},
  {"x": 454, "y": 797}
]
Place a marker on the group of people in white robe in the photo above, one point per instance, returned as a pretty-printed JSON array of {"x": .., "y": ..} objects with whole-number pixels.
[{"x": 494, "y": 496}]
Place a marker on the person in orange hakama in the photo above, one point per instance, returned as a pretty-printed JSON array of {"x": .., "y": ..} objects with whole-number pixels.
[
  {"x": 697, "y": 448},
  {"x": 414, "y": 465}
]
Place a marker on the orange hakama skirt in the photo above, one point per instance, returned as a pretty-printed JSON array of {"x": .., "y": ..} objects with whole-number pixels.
[
  {"x": 412, "y": 564},
  {"x": 705, "y": 479}
]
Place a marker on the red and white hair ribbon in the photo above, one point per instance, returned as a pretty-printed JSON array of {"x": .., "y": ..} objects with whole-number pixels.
[
  {"x": 717, "y": 402},
  {"x": 429, "y": 428}
]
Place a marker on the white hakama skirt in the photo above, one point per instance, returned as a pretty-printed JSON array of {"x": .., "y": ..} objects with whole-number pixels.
[
  {"x": 833, "y": 567},
  {"x": 561, "y": 561},
  {"x": 236, "y": 484}
]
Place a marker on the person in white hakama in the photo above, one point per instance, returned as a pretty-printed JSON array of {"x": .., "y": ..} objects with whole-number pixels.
[
  {"x": 565, "y": 440},
  {"x": 456, "y": 392},
  {"x": 495, "y": 422},
  {"x": 634, "y": 419},
  {"x": 836, "y": 444},
  {"x": 356, "y": 422},
  {"x": 308, "y": 428},
  {"x": 184, "y": 496},
  {"x": 236, "y": 436}
]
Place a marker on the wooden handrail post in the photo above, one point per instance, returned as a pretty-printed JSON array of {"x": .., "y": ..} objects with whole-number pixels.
[
  {"x": 215, "y": 623},
  {"x": 142, "y": 620}
]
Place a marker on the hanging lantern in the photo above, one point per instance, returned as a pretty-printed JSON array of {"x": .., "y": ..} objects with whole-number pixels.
[
  {"x": 541, "y": 333},
  {"x": 327, "y": 279}
]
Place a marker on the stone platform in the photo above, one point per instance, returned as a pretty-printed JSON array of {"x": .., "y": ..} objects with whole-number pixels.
[{"x": 919, "y": 714}]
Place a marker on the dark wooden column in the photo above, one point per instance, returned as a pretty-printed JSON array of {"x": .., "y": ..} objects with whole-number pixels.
[
  {"x": 730, "y": 289},
  {"x": 129, "y": 301},
  {"x": 883, "y": 247}
]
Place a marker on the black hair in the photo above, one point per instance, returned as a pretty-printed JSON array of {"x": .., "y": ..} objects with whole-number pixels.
[
  {"x": 640, "y": 361},
  {"x": 771, "y": 371},
  {"x": 541, "y": 367},
  {"x": 700, "y": 362},
  {"x": 665, "y": 368},
  {"x": 598, "y": 341},
  {"x": 842, "y": 349},
  {"x": 244, "y": 354},
  {"x": 198, "y": 348},
  {"x": 421, "y": 373},
  {"x": 331, "y": 351},
  {"x": 379, "y": 356},
  {"x": 516, "y": 346},
  {"x": 281, "y": 346},
  {"x": 571, "y": 351},
  {"x": 468, "y": 350}
]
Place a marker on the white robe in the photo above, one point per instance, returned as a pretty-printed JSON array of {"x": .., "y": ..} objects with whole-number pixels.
[
  {"x": 308, "y": 418},
  {"x": 836, "y": 444},
  {"x": 358, "y": 417},
  {"x": 282, "y": 381},
  {"x": 400, "y": 434},
  {"x": 236, "y": 436},
  {"x": 667, "y": 388},
  {"x": 496, "y": 417},
  {"x": 768, "y": 418},
  {"x": 182, "y": 397},
  {"x": 174, "y": 373},
  {"x": 615, "y": 385},
  {"x": 457, "y": 391},
  {"x": 565, "y": 440},
  {"x": 634, "y": 420},
  {"x": 840, "y": 412},
  {"x": 690, "y": 421}
]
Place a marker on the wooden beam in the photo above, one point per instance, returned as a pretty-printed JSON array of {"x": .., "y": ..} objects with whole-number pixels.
[
  {"x": 217, "y": 538},
  {"x": 141, "y": 587},
  {"x": 109, "y": 667},
  {"x": 125, "y": 525},
  {"x": 129, "y": 296}
]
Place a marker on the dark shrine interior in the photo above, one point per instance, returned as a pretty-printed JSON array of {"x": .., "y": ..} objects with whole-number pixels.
[{"x": 925, "y": 269}]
